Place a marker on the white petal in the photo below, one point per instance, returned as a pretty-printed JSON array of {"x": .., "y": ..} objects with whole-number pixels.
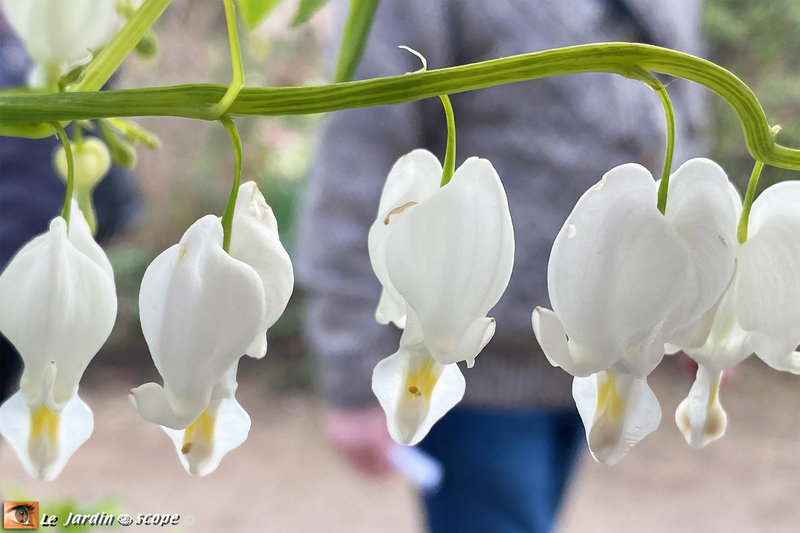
[
  {"x": 44, "y": 440},
  {"x": 616, "y": 270},
  {"x": 727, "y": 343},
  {"x": 558, "y": 349},
  {"x": 58, "y": 303},
  {"x": 258, "y": 348},
  {"x": 200, "y": 310},
  {"x": 768, "y": 289},
  {"x": 451, "y": 257},
  {"x": 60, "y": 32},
  {"x": 413, "y": 179},
  {"x": 628, "y": 412},
  {"x": 703, "y": 207},
  {"x": 255, "y": 241},
  {"x": 415, "y": 391},
  {"x": 223, "y": 426},
  {"x": 700, "y": 416},
  {"x": 781, "y": 199}
]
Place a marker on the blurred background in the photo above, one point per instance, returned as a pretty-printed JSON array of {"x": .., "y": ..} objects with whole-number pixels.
[{"x": 284, "y": 478}]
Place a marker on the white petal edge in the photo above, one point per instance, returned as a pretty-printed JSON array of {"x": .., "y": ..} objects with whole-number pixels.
[
  {"x": 255, "y": 241},
  {"x": 231, "y": 428},
  {"x": 75, "y": 426},
  {"x": 389, "y": 385},
  {"x": 610, "y": 437},
  {"x": 700, "y": 416}
]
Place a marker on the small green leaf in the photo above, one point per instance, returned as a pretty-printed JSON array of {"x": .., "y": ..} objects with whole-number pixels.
[
  {"x": 354, "y": 38},
  {"x": 306, "y": 10},
  {"x": 255, "y": 11}
]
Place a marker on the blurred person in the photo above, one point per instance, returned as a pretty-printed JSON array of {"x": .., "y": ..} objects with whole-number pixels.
[
  {"x": 509, "y": 447},
  {"x": 32, "y": 194}
]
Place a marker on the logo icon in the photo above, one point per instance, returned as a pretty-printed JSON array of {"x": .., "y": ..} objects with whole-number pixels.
[
  {"x": 125, "y": 520},
  {"x": 20, "y": 515}
]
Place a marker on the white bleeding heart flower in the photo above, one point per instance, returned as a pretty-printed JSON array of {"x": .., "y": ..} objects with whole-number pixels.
[
  {"x": 624, "y": 280},
  {"x": 759, "y": 312},
  {"x": 444, "y": 257},
  {"x": 201, "y": 309},
  {"x": 57, "y": 307},
  {"x": 59, "y": 35}
]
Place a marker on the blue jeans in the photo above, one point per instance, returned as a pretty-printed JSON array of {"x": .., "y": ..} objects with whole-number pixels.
[{"x": 505, "y": 471}]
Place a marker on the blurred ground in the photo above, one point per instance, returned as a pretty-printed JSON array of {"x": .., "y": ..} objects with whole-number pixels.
[{"x": 284, "y": 479}]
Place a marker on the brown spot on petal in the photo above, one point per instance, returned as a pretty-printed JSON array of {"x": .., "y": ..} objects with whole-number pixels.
[
  {"x": 186, "y": 448},
  {"x": 414, "y": 390},
  {"x": 397, "y": 210}
]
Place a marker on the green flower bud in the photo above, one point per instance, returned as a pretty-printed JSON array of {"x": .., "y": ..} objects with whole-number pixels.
[{"x": 92, "y": 161}]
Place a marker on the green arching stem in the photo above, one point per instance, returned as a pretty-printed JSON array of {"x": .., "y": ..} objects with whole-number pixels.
[
  {"x": 741, "y": 232},
  {"x": 227, "y": 216},
  {"x": 450, "y": 153},
  {"x": 114, "y": 53},
  {"x": 62, "y": 135},
  {"x": 237, "y": 81},
  {"x": 192, "y": 101}
]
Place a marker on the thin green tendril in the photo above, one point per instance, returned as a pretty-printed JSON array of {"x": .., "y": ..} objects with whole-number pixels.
[
  {"x": 669, "y": 113},
  {"x": 227, "y": 216},
  {"x": 67, "y": 208},
  {"x": 450, "y": 154},
  {"x": 741, "y": 232}
]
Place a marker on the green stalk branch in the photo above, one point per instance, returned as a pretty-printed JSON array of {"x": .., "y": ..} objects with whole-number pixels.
[
  {"x": 192, "y": 101},
  {"x": 114, "y": 53},
  {"x": 237, "y": 81}
]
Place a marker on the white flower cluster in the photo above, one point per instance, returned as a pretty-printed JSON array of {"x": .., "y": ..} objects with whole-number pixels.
[
  {"x": 627, "y": 285},
  {"x": 201, "y": 308}
]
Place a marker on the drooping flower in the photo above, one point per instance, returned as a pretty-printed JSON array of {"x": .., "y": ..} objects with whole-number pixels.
[
  {"x": 59, "y": 35},
  {"x": 57, "y": 307},
  {"x": 444, "y": 257},
  {"x": 201, "y": 309},
  {"x": 758, "y": 313},
  {"x": 624, "y": 280}
]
